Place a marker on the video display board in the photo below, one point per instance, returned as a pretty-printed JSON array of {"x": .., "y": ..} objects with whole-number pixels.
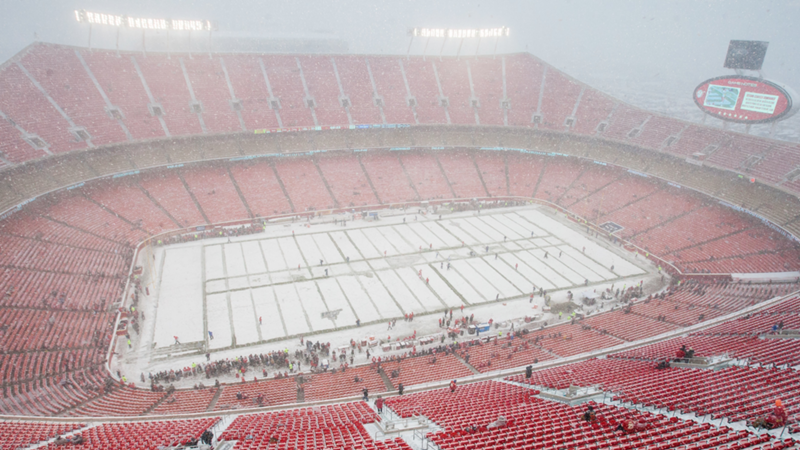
[{"x": 743, "y": 99}]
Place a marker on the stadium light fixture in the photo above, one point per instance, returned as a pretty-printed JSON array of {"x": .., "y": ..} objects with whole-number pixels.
[
  {"x": 142, "y": 23},
  {"x": 459, "y": 33},
  {"x": 455, "y": 33}
]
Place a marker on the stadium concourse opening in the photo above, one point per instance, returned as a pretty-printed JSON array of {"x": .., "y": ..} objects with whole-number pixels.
[{"x": 209, "y": 239}]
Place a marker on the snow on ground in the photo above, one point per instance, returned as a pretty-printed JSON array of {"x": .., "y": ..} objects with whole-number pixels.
[
  {"x": 180, "y": 299},
  {"x": 489, "y": 262}
]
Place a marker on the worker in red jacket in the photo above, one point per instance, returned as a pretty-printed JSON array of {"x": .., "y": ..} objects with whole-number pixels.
[
  {"x": 681, "y": 353},
  {"x": 379, "y": 404},
  {"x": 452, "y": 386}
]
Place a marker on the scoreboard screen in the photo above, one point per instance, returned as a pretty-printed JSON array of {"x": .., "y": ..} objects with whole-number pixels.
[{"x": 743, "y": 99}]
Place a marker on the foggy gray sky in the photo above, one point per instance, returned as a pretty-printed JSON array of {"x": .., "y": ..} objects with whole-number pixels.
[{"x": 649, "y": 53}]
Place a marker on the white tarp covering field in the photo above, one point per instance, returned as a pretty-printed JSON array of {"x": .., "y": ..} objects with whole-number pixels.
[{"x": 368, "y": 271}]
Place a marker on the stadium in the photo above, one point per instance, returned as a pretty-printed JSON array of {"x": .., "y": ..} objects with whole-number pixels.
[{"x": 255, "y": 251}]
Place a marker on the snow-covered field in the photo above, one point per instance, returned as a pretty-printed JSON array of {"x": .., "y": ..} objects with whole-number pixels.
[{"x": 290, "y": 275}]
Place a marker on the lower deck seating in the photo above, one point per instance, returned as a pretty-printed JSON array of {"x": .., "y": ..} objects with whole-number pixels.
[
  {"x": 738, "y": 393},
  {"x": 751, "y": 348},
  {"x": 186, "y": 401},
  {"x": 14, "y": 435},
  {"x": 729, "y": 296},
  {"x": 140, "y": 435},
  {"x": 341, "y": 384},
  {"x": 571, "y": 339},
  {"x": 626, "y": 326},
  {"x": 274, "y": 392},
  {"x": 120, "y": 402},
  {"x": 504, "y": 353},
  {"x": 339, "y": 426},
  {"x": 467, "y": 414},
  {"x": 755, "y": 324},
  {"x": 421, "y": 369}
]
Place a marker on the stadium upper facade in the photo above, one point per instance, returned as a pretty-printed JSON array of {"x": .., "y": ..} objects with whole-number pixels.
[{"x": 57, "y": 99}]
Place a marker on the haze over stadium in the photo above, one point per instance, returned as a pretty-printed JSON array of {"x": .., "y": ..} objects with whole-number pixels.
[{"x": 397, "y": 225}]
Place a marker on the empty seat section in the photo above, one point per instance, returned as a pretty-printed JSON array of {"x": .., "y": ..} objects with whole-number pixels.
[
  {"x": 260, "y": 188},
  {"x": 623, "y": 326},
  {"x": 454, "y": 79},
  {"x": 304, "y": 185},
  {"x": 624, "y": 121},
  {"x": 357, "y": 87},
  {"x": 534, "y": 423},
  {"x": 186, "y": 401},
  {"x": 388, "y": 176},
  {"x": 212, "y": 91},
  {"x": 422, "y": 82},
  {"x": 617, "y": 195},
  {"x": 14, "y": 435},
  {"x": 284, "y": 77},
  {"x": 423, "y": 369},
  {"x": 592, "y": 179},
  {"x": 123, "y": 87},
  {"x": 167, "y": 83},
  {"x": 462, "y": 173},
  {"x": 523, "y": 173},
  {"x": 594, "y": 108},
  {"x": 28, "y": 288},
  {"x": 735, "y": 153},
  {"x": 31, "y": 225},
  {"x": 698, "y": 139},
  {"x": 656, "y": 131},
  {"x": 750, "y": 348},
  {"x": 694, "y": 228},
  {"x": 127, "y": 199},
  {"x": 778, "y": 162},
  {"x": 12, "y": 146},
  {"x": 523, "y": 79},
  {"x": 557, "y": 177},
  {"x": 250, "y": 88},
  {"x": 487, "y": 78},
  {"x": 493, "y": 170},
  {"x": 347, "y": 180},
  {"x": 141, "y": 435},
  {"x": 326, "y": 386},
  {"x": 29, "y": 254},
  {"x": 63, "y": 77},
  {"x": 23, "y": 103},
  {"x": 323, "y": 427},
  {"x": 652, "y": 210},
  {"x": 505, "y": 353},
  {"x": 324, "y": 89},
  {"x": 77, "y": 211},
  {"x": 392, "y": 89},
  {"x": 571, "y": 339},
  {"x": 23, "y": 367},
  {"x": 123, "y": 401},
  {"x": 274, "y": 392},
  {"x": 558, "y": 100},
  {"x": 33, "y": 329},
  {"x": 214, "y": 190},
  {"x": 738, "y": 393},
  {"x": 169, "y": 191},
  {"x": 425, "y": 173},
  {"x": 675, "y": 312}
]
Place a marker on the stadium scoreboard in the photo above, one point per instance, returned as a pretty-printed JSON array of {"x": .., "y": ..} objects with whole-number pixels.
[{"x": 743, "y": 99}]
